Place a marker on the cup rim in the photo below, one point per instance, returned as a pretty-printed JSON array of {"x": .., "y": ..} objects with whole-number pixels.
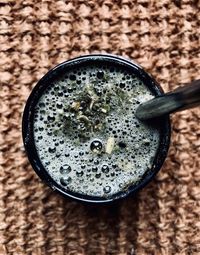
[{"x": 28, "y": 135}]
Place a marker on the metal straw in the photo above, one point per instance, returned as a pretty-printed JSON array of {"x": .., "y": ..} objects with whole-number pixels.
[{"x": 180, "y": 99}]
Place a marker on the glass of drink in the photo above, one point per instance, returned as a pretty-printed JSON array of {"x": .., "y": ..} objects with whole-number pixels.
[{"x": 81, "y": 134}]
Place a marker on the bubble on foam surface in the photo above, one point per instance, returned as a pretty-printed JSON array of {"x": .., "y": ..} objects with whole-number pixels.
[{"x": 81, "y": 164}]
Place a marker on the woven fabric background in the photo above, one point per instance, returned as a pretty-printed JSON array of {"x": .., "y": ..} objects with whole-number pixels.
[{"x": 163, "y": 37}]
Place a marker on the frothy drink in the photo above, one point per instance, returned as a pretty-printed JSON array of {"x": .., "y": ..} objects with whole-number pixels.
[{"x": 86, "y": 134}]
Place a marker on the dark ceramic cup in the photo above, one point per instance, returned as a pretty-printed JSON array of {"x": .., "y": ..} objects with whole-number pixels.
[{"x": 28, "y": 118}]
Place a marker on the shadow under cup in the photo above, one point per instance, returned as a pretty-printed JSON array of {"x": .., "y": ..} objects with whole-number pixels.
[{"x": 28, "y": 124}]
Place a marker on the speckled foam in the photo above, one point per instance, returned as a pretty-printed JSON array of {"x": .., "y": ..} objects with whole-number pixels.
[
  {"x": 71, "y": 160},
  {"x": 163, "y": 37}
]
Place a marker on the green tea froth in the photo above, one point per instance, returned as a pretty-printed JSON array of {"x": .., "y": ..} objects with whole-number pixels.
[{"x": 86, "y": 133}]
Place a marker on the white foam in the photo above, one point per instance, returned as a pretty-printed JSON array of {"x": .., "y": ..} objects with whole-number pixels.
[{"x": 131, "y": 162}]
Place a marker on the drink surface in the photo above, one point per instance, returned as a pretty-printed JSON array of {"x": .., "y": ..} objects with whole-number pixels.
[{"x": 86, "y": 133}]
